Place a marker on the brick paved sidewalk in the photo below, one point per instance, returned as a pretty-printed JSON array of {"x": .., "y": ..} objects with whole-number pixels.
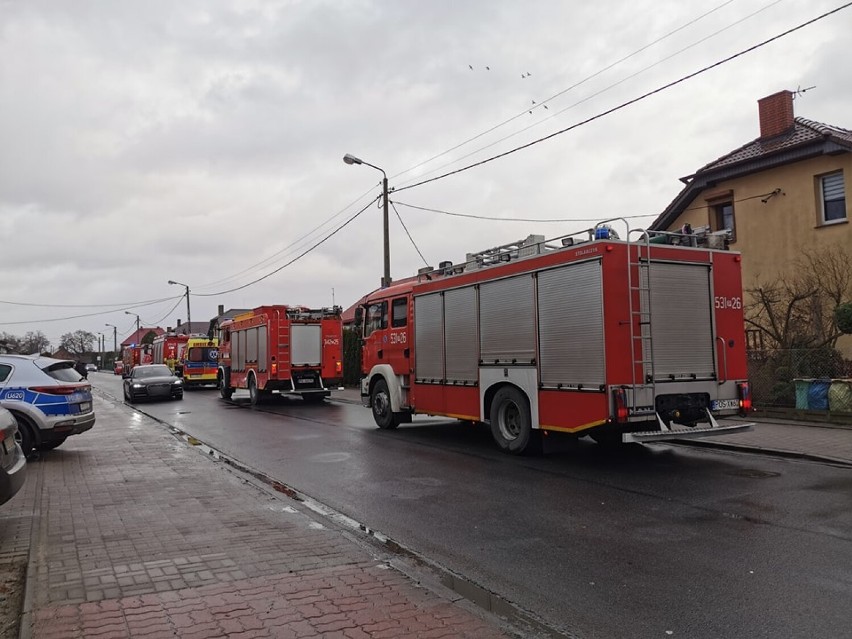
[{"x": 137, "y": 534}]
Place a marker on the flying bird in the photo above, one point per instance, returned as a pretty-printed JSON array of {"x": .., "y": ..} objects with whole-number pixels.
[
  {"x": 488, "y": 68},
  {"x": 533, "y": 101},
  {"x": 544, "y": 105},
  {"x": 471, "y": 67}
]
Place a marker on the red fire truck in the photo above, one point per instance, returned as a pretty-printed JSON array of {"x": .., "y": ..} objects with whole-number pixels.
[
  {"x": 168, "y": 349},
  {"x": 624, "y": 341},
  {"x": 134, "y": 355},
  {"x": 281, "y": 349}
]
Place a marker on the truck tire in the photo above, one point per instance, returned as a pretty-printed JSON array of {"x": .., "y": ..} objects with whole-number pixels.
[
  {"x": 511, "y": 424},
  {"x": 385, "y": 418},
  {"x": 255, "y": 396},
  {"x": 225, "y": 392}
]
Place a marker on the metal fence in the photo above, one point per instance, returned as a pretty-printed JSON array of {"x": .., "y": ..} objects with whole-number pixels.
[{"x": 777, "y": 376}]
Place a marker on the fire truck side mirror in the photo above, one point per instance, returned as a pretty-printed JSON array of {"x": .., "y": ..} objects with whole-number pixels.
[{"x": 359, "y": 316}]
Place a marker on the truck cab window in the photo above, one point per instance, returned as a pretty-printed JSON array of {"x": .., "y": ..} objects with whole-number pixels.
[
  {"x": 399, "y": 312},
  {"x": 377, "y": 318}
]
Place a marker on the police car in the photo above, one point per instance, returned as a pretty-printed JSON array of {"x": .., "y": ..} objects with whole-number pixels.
[{"x": 49, "y": 399}]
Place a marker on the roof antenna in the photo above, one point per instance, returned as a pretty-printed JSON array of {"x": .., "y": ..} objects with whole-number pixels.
[{"x": 799, "y": 92}]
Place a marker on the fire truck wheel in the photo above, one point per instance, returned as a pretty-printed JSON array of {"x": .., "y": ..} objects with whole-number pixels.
[
  {"x": 224, "y": 391},
  {"x": 254, "y": 392},
  {"x": 382, "y": 412},
  {"x": 511, "y": 425}
]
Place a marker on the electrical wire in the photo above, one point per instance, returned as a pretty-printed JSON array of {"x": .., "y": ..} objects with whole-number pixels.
[
  {"x": 295, "y": 259},
  {"x": 413, "y": 243},
  {"x": 556, "y": 114},
  {"x": 564, "y": 91},
  {"x": 490, "y": 218},
  {"x": 628, "y": 102},
  {"x": 70, "y": 317},
  {"x": 171, "y": 310},
  {"x": 286, "y": 250},
  {"x": 121, "y": 304}
]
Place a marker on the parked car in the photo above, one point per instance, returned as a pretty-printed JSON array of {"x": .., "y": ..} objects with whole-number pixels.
[
  {"x": 152, "y": 381},
  {"x": 91, "y": 368},
  {"x": 13, "y": 465},
  {"x": 118, "y": 368},
  {"x": 48, "y": 398}
]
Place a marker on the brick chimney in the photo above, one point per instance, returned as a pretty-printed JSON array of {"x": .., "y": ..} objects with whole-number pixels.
[
  {"x": 221, "y": 309},
  {"x": 776, "y": 114}
]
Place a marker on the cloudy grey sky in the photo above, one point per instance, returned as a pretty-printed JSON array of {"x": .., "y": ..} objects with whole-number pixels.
[{"x": 202, "y": 140}]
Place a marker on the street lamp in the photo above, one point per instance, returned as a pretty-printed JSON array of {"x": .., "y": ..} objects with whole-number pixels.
[
  {"x": 351, "y": 159},
  {"x": 137, "y": 321},
  {"x": 114, "y": 337},
  {"x": 188, "y": 316}
]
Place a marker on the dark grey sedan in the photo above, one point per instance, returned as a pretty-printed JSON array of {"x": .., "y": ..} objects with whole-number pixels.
[{"x": 152, "y": 381}]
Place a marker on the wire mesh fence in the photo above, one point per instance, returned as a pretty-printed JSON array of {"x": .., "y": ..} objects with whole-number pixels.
[{"x": 801, "y": 378}]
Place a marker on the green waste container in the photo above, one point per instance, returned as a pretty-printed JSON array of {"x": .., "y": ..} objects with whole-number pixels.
[
  {"x": 802, "y": 387},
  {"x": 840, "y": 396}
]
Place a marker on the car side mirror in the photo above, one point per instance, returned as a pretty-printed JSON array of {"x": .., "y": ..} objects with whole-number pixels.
[{"x": 359, "y": 316}]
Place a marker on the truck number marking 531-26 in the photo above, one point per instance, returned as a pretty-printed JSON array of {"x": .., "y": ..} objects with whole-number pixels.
[
  {"x": 722, "y": 302},
  {"x": 398, "y": 338}
]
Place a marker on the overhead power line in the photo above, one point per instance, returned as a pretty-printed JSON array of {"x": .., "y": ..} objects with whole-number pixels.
[
  {"x": 98, "y": 313},
  {"x": 292, "y": 246},
  {"x": 295, "y": 259},
  {"x": 556, "y": 114},
  {"x": 413, "y": 243},
  {"x": 566, "y": 90},
  {"x": 629, "y": 102},
  {"x": 494, "y": 218}
]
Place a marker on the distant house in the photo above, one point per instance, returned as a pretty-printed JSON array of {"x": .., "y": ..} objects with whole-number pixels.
[
  {"x": 61, "y": 353},
  {"x": 779, "y": 194},
  {"x": 137, "y": 336},
  {"x": 191, "y": 328},
  {"x": 223, "y": 315}
]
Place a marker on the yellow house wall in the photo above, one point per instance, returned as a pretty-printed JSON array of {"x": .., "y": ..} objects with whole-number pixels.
[{"x": 772, "y": 236}]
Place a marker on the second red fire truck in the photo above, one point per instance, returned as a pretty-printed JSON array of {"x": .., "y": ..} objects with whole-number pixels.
[
  {"x": 624, "y": 341},
  {"x": 281, "y": 349}
]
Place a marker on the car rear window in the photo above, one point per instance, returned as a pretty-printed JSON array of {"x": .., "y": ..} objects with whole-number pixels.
[{"x": 64, "y": 372}]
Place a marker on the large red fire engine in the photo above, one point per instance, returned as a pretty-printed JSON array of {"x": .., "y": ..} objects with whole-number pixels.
[
  {"x": 134, "y": 355},
  {"x": 625, "y": 341},
  {"x": 168, "y": 349},
  {"x": 281, "y": 349}
]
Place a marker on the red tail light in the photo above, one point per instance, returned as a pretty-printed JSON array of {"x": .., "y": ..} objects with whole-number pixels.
[
  {"x": 274, "y": 368},
  {"x": 59, "y": 390},
  {"x": 619, "y": 396},
  {"x": 338, "y": 367},
  {"x": 744, "y": 393}
]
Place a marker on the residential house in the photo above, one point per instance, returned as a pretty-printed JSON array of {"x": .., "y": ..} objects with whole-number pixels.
[{"x": 780, "y": 194}]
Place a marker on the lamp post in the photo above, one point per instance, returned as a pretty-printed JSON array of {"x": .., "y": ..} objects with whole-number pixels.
[
  {"x": 101, "y": 347},
  {"x": 137, "y": 321},
  {"x": 351, "y": 159},
  {"x": 114, "y": 338},
  {"x": 188, "y": 316}
]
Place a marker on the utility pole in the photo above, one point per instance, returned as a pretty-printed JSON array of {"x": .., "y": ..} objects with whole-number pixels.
[
  {"x": 114, "y": 338},
  {"x": 188, "y": 315}
]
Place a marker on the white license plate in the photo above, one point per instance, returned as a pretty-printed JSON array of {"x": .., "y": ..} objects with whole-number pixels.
[
  {"x": 85, "y": 407},
  {"x": 724, "y": 404}
]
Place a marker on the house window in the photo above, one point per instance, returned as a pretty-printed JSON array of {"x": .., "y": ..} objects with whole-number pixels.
[
  {"x": 725, "y": 218},
  {"x": 833, "y": 198}
]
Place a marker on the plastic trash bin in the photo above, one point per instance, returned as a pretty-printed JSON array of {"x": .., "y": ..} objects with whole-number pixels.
[
  {"x": 840, "y": 396},
  {"x": 802, "y": 387},
  {"x": 818, "y": 394}
]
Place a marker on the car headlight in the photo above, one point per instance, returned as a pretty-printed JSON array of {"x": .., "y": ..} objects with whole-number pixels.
[
  {"x": 138, "y": 385},
  {"x": 177, "y": 382}
]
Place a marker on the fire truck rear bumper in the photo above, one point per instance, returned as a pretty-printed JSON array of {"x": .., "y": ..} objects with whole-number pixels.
[{"x": 685, "y": 433}]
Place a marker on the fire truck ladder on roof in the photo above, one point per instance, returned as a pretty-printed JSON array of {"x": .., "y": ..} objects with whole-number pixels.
[{"x": 641, "y": 336}]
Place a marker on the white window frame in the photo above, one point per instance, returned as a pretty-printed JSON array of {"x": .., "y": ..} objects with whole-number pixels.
[{"x": 822, "y": 178}]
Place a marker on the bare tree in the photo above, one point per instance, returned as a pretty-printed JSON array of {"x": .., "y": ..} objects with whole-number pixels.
[
  {"x": 35, "y": 342},
  {"x": 797, "y": 308},
  {"x": 78, "y": 342}
]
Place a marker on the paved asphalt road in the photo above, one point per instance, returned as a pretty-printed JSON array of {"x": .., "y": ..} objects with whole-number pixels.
[{"x": 653, "y": 541}]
